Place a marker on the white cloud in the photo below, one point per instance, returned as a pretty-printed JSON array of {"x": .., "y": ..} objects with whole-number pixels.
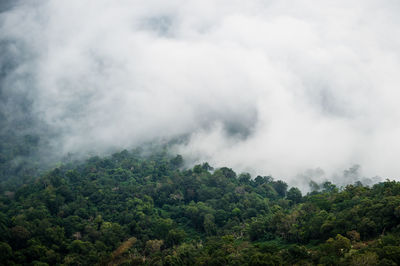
[{"x": 302, "y": 84}]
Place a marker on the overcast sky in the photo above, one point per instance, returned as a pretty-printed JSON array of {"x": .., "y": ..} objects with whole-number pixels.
[{"x": 272, "y": 87}]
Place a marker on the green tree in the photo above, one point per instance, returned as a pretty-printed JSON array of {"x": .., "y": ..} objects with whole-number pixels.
[{"x": 294, "y": 194}]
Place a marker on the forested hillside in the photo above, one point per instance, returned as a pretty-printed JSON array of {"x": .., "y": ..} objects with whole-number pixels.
[{"x": 137, "y": 209}]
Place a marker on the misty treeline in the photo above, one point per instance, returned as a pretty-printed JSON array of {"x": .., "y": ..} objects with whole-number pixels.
[
  {"x": 23, "y": 153},
  {"x": 135, "y": 209},
  {"x": 24, "y": 137}
]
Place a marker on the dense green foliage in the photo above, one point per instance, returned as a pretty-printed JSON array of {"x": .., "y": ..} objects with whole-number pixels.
[{"x": 130, "y": 209}]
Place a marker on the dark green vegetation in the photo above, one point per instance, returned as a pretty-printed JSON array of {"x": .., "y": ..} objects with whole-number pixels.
[{"x": 130, "y": 209}]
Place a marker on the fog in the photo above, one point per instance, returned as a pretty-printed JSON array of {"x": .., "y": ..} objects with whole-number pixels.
[{"x": 299, "y": 90}]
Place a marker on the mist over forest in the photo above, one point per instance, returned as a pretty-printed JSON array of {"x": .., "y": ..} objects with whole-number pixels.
[
  {"x": 273, "y": 87},
  {"x": 204, "y": 132}
]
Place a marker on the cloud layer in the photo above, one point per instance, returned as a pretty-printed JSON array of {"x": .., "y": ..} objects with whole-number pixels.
[{"x": 270, "y": 87}]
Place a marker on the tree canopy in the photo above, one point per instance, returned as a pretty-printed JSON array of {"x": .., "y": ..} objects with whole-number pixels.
[{"x": 129, "y": 208}]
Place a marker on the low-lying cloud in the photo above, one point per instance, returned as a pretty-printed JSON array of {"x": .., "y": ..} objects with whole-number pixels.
[{"x": 271, "y": 87}]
